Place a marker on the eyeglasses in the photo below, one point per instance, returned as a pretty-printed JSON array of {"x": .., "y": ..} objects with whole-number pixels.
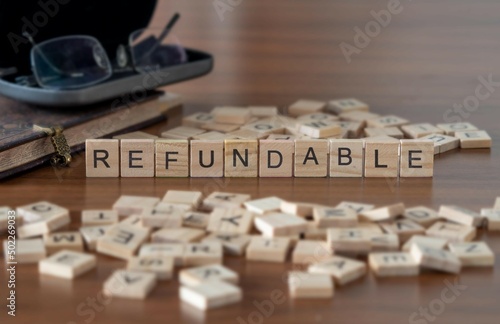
[{"x": 79, "y": 61}]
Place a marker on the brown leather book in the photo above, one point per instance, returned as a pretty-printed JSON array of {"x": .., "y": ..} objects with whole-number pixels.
[{"x": 25, "y": 142}]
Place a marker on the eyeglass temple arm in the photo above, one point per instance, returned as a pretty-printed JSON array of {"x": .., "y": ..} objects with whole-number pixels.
[{"x": 35, "y": 48}]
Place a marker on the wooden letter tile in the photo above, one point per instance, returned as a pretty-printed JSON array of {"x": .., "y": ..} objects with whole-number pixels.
[
  {"x": 417, "y": 158},
  {"x": 172, "y": 158},
  {"x": 492, "y": 217},
  {"x": 311, "y": 158},
  {"x": 460, "y": 215},
  {"x": 404, "y": 229},
  {"x": 91, "y": 234},
  {"x": 381, "y": 159},
  {"x": 197, "y": 120},
  {"x": 346, "y": 105},
  {"x": 210, "y": 294},
  {"x": 387, "y": 121},
  {"x": 420, "y": 130},
  {"x": 352, "y": 240},
  {"x": 308, "y": 251},
  {"x": 421, "y": 215},
  {"x": 232, "y": 244},
  {"x": 207, "y": 158},
  {"x": 137, "y": 158},
  {"x": 334, "y": 217},
  {"x": 473, "y": 254},
  {"x": 40, "y": 211},
  {"x": 442, "y": 143},
  {"x": 102, "y": 158},
  {"x": 276, "y": 158},
  {"x": 384, "y": 131},
  {"x": 211, "y": 272},
  {"x": 129, "y": 284},
  {"x": 174, "y": 251},
  {"x": 235, "y": 220},
  {"x": 133, "y": 205},
  {"x": 177, "y": 235},
  {"x": 343, "y": 270},
  {"x": 310, "y": 285},
  {"x": 433, "y": 242},
  {"x": 224, "y": 200},
  {"x": 41, "y": 218},
  {"x": 451, "y": 128},
  {"x": 320, "y": 128},
  {"x": 241, "y": 158},
  {"x": 67, "y": 264},
  {"x": 268, "y": 249},
  {"x": 122, "y": 241},
  {"x": 474, "y": 139},
  {"x": 27, "y": 251},
  {"x": 183, "y": 132},
  {"x": 385, "y": 213},
  {"x": 264, "y": 205},
  {"x": 196, "y": 254},
  {"x": 55, "y": 242},
  {"x": 161, "y": 266},
  {"x": 99, "y": 217},
  {"x": 191, "y": 198},
  {"x": 304, "y": 107},
  {"x": 356, "y": 206},
  {"x": 346, "y": 158},
  {"x": 452, "y": 232},
  {"x": 162, "y": 215},
  {"x": 279, "y": 224},
  {"x": 393, "y": 264},
  {"x": 384, "y": 242},
  {"x": 135, "y": 135},
  {"x": 231, "y": 115},
  {"x": 436, "y": 259},
  {"x": 195, "y": 219}
]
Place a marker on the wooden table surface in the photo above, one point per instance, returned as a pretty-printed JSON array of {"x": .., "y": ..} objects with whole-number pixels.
[{"x": 427, "y": 59}]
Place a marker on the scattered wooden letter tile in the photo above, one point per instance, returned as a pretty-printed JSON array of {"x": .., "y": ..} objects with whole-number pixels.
[
  {"x": 346, "y": 105},
  {"x": 210, "y": 294},
  {"x": 310, "y": 285},
  {"x": 421, "y": 215},
  {"x": 320, "y": 128},
  {"x": 177, "y": 235},
  {"x": 241, "y": 158},
  {"x": 473, "y": 254},
  {"x": 172, "y": 158},
  {"x": 170, "y": 250},
  {"x": 192, "y": 198},
  {"x": 137, "y": 158},
  {"x": 381, "y": 158},
  {"x": 451, "y": 128},
  {"x": 452, "y": 232},
  {"x": 91, "y": 234},
  {"x": 279, "y": 137},
  {"x": 460, "y": 215},
  {"x": 437, "y": 259},
  {"x": 43, "y": 226},
  {"x": 387, "y": 131},
  {"x": 247, "y": 134},
  {"x": 162, "y": 215},
  {"x": 346, "y": 158},
  {"x": 420, "y": 130},
  {"x": 196, "y": 120},
  {"x": 55, "y": 242},
  {"x": 99, "y": 217},
  {"x": 417, "y": 158},
  {"x": 67, "y": 264},
  {"x": 129, "y": 284},
  {"x": 182, "y": 132},
  {"x": 224, "y": 200},
  {"x": 273, "y": 249},
  {"x": 27, "y": 251},
  {"x": 304, "y": 107},
  {"x": 388, "y": 264},
  {"x": 492, "y": 217},
  {"x": 276, "y": 158},
  {"x": 358, "y": 116},
  {"x": 231, "y": 115},
  {"x": 212, "y": 272},
  {"x": 133, "y": 205},
  {"x": 263, "y": 111},
  {"x": 353, "y": 240},
  {"x": 135, "y": 135},
  {"x": 134, "y": 220},
  {"x": 308, "y": 251},
  {"x": 232, "y": 243},
  {"x": 263, "y": 205},
  {"x": 433, "y": 242},
  {"x": 356, "y": 206},
  {"x": 385, "y": 213},
  {"x": 211, "y": 136},
  {"x": 387, "y": 121},
  {"x": 384, "y": 242},
  {"x": 195, "y": 219},
  {"x": 334, "y": 217},
  {"x": 442, "y": 143},
  {"x": 474, "y": 139},
  {"x": 311, "y": 158},
  {"x": 207, "y": 158},
  {"x": 161, "y": 266},
  {"x": 102, "y": 158},
  {"x": 343, "y": 270},
  {"x": 315, "y": 117},
  {"x": 230, "y": 220},
  {"x": 203, "y": 253},
  {"x": 279, "y": 224},
  {"x": 297, "y": 208},
  {"x": 265, "y": 126},
  {"x": 404, "y": 229},
  {"x": 122, "y": 241},
  {"x": 219, "y": 127},
  {"x": 313, "y": 232},
  {"x": 41, "y": 210}
]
